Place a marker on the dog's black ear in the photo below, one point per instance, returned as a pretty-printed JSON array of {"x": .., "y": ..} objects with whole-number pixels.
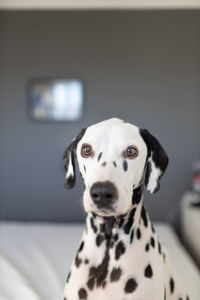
[
  {"x": 69, "y": 160},
  {"x": 157, "y": 161}
]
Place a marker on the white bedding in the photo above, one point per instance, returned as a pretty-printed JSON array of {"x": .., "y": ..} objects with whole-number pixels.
[
  {"x": 190, "y": 230},
  {"x": 35, "y": 258}
]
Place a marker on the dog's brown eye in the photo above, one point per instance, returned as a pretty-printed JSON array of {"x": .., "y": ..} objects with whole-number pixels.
[
  {"x": 131, "y": 152},
  {"x": 86, "y": 150}
]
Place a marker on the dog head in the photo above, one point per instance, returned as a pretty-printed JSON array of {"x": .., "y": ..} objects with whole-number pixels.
[{"x": 114, "y": 157}]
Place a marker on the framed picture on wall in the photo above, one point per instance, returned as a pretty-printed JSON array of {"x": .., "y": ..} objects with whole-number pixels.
[{"x": 55, "y": 99}]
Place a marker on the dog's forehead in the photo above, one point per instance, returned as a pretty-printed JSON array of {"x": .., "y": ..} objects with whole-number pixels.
[{"x": 113, "y": 132}]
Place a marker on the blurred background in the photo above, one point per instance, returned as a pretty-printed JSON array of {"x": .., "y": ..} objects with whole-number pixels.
[{"x": 142, "y": 66}]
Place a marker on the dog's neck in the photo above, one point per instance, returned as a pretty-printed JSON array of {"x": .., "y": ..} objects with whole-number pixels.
[{"x": 110, "y": 227}]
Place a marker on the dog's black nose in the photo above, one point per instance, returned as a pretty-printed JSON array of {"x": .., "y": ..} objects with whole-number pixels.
[{"x": 104, "y": 194}]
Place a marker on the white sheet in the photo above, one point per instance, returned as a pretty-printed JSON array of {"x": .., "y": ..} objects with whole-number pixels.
[{"x": 35, "y": 258}]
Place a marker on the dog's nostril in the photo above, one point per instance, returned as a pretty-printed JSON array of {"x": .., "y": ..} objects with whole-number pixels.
[
  {"x": 108, "y": 195},
  {"x": 94, "y": 195}
]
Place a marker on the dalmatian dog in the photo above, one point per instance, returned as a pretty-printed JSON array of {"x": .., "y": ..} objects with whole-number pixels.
[{"x": 119, "y": 256}]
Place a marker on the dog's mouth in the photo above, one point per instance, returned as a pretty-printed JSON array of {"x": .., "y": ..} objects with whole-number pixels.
[
  {"x": 105, "y": 212},
  {"x": 103, "y": 209}
]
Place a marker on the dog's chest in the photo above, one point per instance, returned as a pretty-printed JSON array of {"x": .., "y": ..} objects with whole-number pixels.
[{"x": 115, "y": 268}]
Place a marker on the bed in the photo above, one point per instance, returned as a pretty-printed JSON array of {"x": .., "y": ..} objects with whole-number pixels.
[
  {"x": 35, "y": 258},
  {"x": 190, "y": 210}
]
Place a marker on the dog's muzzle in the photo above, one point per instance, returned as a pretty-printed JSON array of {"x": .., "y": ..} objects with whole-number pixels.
[{"x": 104, "y": 194}]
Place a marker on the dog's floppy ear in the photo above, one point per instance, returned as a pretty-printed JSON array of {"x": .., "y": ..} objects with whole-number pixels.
[
  {"x": 69, "y": 160},
  {"x": 157, "y": 161}
]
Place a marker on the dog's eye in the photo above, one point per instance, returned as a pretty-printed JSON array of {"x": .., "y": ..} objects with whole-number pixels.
[
  {"x": 131, "y": 152},
  {"x": 86, "y": 150}
]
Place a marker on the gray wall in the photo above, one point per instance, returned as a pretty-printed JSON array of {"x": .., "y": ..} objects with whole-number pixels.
[{"x": 143, "y": 67}]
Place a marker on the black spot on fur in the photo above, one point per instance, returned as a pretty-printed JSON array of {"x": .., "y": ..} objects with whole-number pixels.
[
  {"x": 132, "y": 235},
  {"x": 68, "y": 276},
  {"x": 70, "y": 181},
  {"x": 98, "y": 274},
  {"x": 164, "y": 293},
  {"x": 171, "y": 285},
  {"x": 128, "y": 225},
  {"x": 99, "y": 239},
  {"x": 104, "y": 164},
  {"x": 65, "y": 298},
  {"x": 147, "y": 247},
  {"x": 91, "y": 283},
  {"x": 159, "y": 248},
  {"x": 114, "y": 163},
  {"x": 152, "y": 228},
  {"x": 152, "y": 242},
  {"x": 82, "y": 294},
  {"x": 187, "y": 298},
  {"x": 119, "y": 250},
  {"x": 116, "y": 237},
  {"x": 115, "y": 274},
  {"x": 138, "y": 232},
  {"x": 94, "y": 227},
  {"x": 164, "y": 257},
  {"x": 125, "y": 165},
  {"x": 121, "y": 223},
  {"x": 84, "y": 168},
  {"x": 86, "y": 261},
  {"x": 94, "y": 215},
  {"x": 112, "y": 243},
  {"x": 102, "y": 227},
  {"x": 144, "y": 216},
  {"x": 148, "y": 173},
  {"x": 77, "y": 261},
  {"x": 81, "y": 246},
  {"x": 136, "y": 197},
  {"x": 180, "y": 298},
  {"x": 148, "y": 272},
  {"x": 109, "y": 223},
  {"x": 99, "y": 157},
  {"x": 130, "y": 286}
]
